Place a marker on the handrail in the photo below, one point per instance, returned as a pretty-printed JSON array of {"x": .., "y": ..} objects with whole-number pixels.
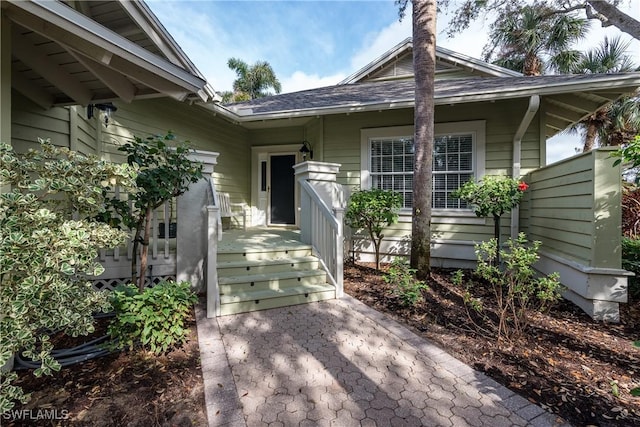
[
  {"x": 323, "y": 228},
  {"x": 216, "y": 202}
]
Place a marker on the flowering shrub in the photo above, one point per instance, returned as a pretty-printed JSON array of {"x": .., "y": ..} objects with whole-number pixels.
[
  {"x": 492, "y": 196},
  {"x": 44, "y": 254}
]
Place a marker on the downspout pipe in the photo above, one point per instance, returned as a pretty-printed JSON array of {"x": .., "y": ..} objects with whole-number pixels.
[{"x": 532, "y": 109}]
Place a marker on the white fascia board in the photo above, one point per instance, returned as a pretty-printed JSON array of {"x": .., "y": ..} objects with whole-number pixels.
[
  {"x": 381, "y": 60},
  {"x": 68, "y": 19},
  {"x": 474, "y": 63}
]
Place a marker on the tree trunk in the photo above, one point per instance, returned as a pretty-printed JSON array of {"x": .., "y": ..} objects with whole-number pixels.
[
  {"x": 134, "y": 255},
  {"x": 590, "y": 137},
  {"x": 424, "y": 61},
  {"x": 496, "y": 232},
  {"x": 145, "y": 249},
  {"x": 611, "y": 15}
]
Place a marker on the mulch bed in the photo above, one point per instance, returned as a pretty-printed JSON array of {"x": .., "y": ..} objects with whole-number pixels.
[
  {"x": 131, "y": 388},
  {"x": 578, "y": 368}
]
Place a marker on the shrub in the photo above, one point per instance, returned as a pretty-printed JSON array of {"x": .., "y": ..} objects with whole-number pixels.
[
  {"x": 492, "y": 196},
  {"x": 514, "y": 286},
  {"x": 631, "y": 262},
  {"x": 154, "y": 318},
  {"x": 407, "y": 287},
  {"x": 165, "y": 172},
  {"x": 372, "y": 210},
  {"x": 45, "y": 255}
]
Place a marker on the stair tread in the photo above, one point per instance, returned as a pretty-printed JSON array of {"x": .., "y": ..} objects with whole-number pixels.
[
  {"x": 274, "y": 293},
  {"x": 258, "y": 249},
  {"x": 275, "y": 261},
  {"x": 269, "y": 276}
]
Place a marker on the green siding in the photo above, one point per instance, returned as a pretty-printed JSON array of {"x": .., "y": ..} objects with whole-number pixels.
[
  {"x": 573, "y": 208},
  {"x": 30, "y": 122},
  {"x": 194, "y": 124}
]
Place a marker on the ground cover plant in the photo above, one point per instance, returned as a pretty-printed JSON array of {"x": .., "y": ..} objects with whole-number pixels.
[{"x": 578, "y": 368}]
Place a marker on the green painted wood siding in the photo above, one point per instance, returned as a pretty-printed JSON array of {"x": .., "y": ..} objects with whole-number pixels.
[
  {"x": 342, "y": 145},
  {"x": 30, "y": 122},
  {"x": 201, "y": 128},
  {"x": 573, "y": 208}
]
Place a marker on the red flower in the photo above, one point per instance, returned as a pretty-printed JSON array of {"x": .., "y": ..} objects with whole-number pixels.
[{"x": 522, "y": 186}]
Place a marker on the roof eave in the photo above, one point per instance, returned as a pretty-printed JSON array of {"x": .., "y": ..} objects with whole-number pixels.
[{"x": 57, "y": 14}]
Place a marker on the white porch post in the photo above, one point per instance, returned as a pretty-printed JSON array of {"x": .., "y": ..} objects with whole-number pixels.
[{"x": 192, "y": 237}]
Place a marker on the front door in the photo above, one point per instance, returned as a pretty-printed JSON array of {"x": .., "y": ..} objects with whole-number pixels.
[{"x": 282, "y": 207}]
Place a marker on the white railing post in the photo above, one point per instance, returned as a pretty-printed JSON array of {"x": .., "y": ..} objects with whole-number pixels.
[
  {"x": 319, "y": 225},
  {"x": 339, "y": 212},
  {"x": 213, "y": 290}
]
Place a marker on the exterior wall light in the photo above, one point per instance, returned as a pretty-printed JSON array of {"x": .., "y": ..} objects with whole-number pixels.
[
  {"x": 306, "y": 151},
  {"x": 107, "y": 108}
]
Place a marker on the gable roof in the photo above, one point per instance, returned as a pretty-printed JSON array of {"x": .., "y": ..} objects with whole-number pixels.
[
  {"x": 446, "y": 61},
  {"x": 569, "y": 98},
  {"x": 101, "y": 51}
]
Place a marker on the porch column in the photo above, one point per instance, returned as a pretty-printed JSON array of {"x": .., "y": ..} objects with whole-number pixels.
[
  {"x": 192, "y": 235},
  {"x": 322, "y": 177}
]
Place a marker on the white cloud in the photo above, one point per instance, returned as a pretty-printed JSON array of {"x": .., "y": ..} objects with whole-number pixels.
[
  {"x": 562, "y": 146},
  {"x": 300, "y": 80},
  {"x": 377, "y": 43}
]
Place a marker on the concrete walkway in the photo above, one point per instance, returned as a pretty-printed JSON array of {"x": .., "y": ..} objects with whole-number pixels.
[{"x": 341, "y": 363}]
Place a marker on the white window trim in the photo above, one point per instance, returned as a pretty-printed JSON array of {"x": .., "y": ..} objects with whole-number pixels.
[{"x": 475, "y": 127}]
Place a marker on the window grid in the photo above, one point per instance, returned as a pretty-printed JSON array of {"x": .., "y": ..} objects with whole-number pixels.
[{"x": 392, "y": 167}]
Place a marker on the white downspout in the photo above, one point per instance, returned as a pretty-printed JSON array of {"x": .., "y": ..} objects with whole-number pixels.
[{"x": 534, "y": 105}]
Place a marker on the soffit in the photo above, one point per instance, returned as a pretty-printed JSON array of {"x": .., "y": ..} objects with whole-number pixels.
[{"x": 89, "y": 53}]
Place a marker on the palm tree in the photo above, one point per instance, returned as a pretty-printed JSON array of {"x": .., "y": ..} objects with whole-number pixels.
[
  {"x": 253, "y": 81},
  {"x": 533, "y": 38},
  {"x": 618, "y": 122},
  {"x": 424, "y": 64}
]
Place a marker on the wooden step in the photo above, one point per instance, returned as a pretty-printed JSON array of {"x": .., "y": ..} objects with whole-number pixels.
[
  {"x": 264, "y": 266},
  {"x": 270, "y": 281},
  {"x": 263, "y": 300},
  {"x": 264, "y": 253}
]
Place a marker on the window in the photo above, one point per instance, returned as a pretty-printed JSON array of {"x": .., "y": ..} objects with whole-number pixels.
[{"x": 458, "y": 155}]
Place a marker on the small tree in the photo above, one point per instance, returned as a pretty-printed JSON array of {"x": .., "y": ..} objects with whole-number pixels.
[
  {"x": 165, "y": 172},
  {"x": 373, "y": 210},
  {"x": 493, "y": 196},
  {"x": 45, "y": 255}
]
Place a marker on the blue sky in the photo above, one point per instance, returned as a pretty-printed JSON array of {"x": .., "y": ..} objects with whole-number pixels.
[{"x": 314, "y": 43}]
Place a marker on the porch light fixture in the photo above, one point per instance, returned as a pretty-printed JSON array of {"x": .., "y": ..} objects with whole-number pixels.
[
  {"x": 107, "y": 108},
  {"x": 306, "y": 150}
]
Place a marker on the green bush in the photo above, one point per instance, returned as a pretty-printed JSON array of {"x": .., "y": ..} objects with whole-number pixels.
[
  {"x": 154, "y": 318},
  {"x": 514, "y": 285},
  {"x": 407, "y": 287},
  {"x": 45, "y": 255},
  {"x": 372, "y": 210},
  {"x": 631, "y": 262}
]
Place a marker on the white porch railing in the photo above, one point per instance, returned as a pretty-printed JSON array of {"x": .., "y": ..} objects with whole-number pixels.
[
  {"x": 162, "y": 252},
  {"x": 325, "y": 230},
  {"x": 214, "y": 233}
]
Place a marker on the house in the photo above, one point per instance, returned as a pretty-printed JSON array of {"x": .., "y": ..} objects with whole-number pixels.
[{"x": 58, "y": 57}]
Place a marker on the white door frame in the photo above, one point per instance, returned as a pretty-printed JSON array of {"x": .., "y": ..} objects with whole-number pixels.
[{"x": 260, "y": 200}]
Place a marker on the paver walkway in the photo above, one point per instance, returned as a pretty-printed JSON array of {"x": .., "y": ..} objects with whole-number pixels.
[{"x": 341, "y": 363}]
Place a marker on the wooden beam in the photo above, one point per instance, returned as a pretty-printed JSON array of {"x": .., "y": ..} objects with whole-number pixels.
[
  {"x": 556, "y": 123},
  {"x": 577, "y": 102},
  {"x": 149, "y": 79},
  {"x": 118, "y": 83},
  {"x": 563, "y": 113},
  {"x": 35, "y": 93},
  {"x": 32, "y": 56}
]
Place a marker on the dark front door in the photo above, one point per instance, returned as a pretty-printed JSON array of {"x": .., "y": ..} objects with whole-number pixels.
[{"x": 282, "y": 203}]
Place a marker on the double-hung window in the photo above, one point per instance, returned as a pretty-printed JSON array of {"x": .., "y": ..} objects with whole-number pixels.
[{"x": 458, "y": 156}]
